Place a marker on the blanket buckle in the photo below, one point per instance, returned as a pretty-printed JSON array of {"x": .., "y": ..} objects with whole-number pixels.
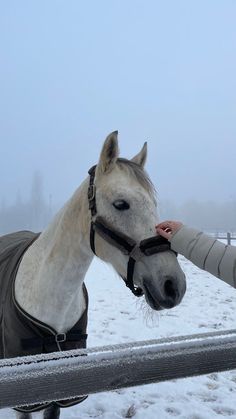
[{"x": 61, "y": 337}]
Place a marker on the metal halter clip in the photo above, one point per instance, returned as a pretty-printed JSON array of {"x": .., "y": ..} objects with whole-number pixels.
[{"x": 91, "y": 192}]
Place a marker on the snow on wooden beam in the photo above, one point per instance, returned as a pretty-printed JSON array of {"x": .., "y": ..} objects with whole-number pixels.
[{"x": 57, "y": 376}]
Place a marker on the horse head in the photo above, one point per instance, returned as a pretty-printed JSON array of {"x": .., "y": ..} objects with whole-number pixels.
[{"x": 122, "y": 194}]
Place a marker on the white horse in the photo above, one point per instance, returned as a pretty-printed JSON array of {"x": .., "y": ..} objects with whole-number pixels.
[{"x": 49, "y": 281}]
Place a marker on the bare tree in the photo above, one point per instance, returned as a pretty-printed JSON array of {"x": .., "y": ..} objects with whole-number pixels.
[{"x": 37, "y": 203}]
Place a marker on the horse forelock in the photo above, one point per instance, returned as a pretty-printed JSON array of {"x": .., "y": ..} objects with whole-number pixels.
[{"x": 139, "y": 174}]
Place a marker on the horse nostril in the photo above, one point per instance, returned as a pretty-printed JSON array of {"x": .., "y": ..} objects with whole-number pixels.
[{"x": 170, "y": 289}]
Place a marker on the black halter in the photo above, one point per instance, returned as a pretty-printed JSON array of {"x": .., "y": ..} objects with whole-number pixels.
[{"x": 121, "y": 241}]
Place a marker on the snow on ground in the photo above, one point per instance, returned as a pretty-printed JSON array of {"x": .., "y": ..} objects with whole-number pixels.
[{"x": 116, "y": 316}]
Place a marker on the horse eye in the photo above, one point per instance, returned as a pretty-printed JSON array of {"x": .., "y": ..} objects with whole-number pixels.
[{"x": 121, "y": 205}]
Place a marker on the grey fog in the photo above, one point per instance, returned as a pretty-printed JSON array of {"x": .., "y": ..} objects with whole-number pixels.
[{"x": 161, "y": 72}]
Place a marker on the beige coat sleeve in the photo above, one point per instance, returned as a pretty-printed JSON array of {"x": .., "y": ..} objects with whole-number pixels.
[{"x": 207, "y": 253}]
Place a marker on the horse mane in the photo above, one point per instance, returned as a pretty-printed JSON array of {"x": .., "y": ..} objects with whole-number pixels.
[{"x": 136, "y": 171}]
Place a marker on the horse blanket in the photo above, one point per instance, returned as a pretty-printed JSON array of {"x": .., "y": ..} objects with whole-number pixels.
[{"x": 20, "y": 333}]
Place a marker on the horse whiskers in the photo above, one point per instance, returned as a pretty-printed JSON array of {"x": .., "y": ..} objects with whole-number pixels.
[{"x": 151, "y": 317}]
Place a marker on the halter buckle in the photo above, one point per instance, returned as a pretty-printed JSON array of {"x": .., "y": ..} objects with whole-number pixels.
[{"x": 91, "y": 192}]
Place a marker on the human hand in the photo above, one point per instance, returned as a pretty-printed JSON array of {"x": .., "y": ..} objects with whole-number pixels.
[{"x": 167, "y": 228}]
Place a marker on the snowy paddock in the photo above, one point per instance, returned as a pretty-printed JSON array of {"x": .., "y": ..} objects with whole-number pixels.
[{"x": 116, "y": 316}]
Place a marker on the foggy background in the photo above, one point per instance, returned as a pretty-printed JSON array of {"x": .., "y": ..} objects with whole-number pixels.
[{"x": 72, "y": 71}]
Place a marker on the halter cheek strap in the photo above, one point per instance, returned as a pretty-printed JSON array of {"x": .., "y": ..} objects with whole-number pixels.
[{"x": 121, "y": 241}]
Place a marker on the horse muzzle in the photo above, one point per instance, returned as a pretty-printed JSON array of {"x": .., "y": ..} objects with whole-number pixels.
[{"x": 166, "y": 295}]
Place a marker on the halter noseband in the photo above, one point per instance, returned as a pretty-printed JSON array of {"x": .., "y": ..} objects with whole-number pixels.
[{"x": 121, "y": 241}]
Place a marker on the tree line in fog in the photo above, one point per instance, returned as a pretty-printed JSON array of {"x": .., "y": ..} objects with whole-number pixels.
[
  {"x": 36, "y": 212},
  {"x": 208, "y": 216},
  {"x": 33, "y": 214}
]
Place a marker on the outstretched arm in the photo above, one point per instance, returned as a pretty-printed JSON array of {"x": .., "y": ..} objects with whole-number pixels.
[{"x": 205, "y": 252}]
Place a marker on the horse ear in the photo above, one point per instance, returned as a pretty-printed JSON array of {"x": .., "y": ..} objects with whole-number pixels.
[
  {"x": 141, "y": 157},
  {"x": 109, "y": 153}
]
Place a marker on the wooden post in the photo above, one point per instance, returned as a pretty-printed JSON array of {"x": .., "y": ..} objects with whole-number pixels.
[{"x": 229, "y": 238}]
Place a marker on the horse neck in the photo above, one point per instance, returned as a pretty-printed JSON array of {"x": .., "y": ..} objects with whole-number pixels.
[{"x": 50, "y": 277}]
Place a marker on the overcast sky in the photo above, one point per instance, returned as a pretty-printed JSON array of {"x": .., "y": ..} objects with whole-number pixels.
[{"x": 163, "y": 71}]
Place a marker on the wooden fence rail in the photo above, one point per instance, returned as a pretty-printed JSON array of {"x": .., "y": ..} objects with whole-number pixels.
[{"x": 42, "y": 378}]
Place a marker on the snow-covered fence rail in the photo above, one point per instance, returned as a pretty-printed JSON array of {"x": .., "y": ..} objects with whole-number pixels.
[
  {"x": 225, "y": 236},
  {"x": 41, "y": 378},
  {"x": 229, "y": 237}
]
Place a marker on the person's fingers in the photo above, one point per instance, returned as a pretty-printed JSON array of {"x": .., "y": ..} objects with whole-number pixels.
[
  {"x": 168, "y": 228},
  {"x": 163, "y": 233},
  {"x": 164, "y": 227},
  {"x": 164, "y": 224}
]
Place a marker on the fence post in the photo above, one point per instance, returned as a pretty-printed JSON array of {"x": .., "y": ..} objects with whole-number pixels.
[{"x": 228, "y": 238}]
